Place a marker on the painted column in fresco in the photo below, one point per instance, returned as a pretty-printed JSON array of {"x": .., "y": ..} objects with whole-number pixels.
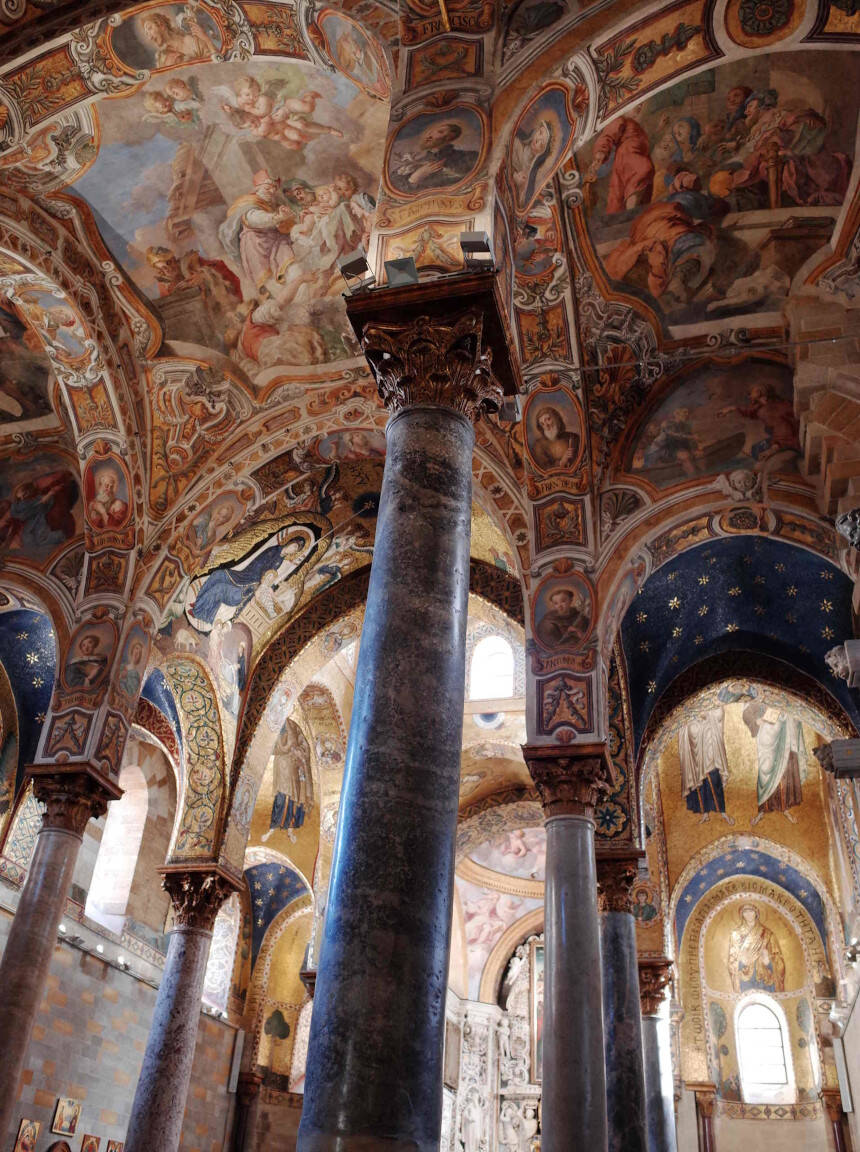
[
  {"x": 570, "y": 779},
  {"x": 71, "y": 799},
  {"x": 159, "y": 1100},
  {"x": 655, "y": 975},
  {"x": 622, "y": 1021},
  {"x": 374, "y": 1072}
]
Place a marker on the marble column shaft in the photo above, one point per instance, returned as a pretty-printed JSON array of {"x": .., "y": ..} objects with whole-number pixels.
[
  {"x": 374, "y": 1071},
  {"x": 622, "y": 1020},
  {"x": 573, "y": 1073},
  {"x": 162, "y": 1088},
  {"x": 70, "y": 801},
  {"x": 654, "y": 978}
]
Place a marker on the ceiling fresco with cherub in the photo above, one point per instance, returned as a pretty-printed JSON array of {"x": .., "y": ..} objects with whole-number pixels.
[{"x": 228, "y": 192}]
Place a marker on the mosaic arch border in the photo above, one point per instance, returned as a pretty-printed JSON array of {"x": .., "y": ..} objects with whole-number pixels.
[
  {"x": 204, "y": 792},
  {"x": 778, "y": 852},
  {"x": 256, "y": 998},
  {"x": 694, "y": 1017}
]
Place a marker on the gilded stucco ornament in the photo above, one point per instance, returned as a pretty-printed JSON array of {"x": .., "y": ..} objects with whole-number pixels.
[
  {"x": 848, "y": 525},
  {"x": 433, "y": 362}
]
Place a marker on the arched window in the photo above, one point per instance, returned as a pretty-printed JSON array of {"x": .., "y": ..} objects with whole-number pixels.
[
  {"x": 764, "y": 1052},
  {"x": 107, "y": 899},
  {"x": 492, "y": 669}
]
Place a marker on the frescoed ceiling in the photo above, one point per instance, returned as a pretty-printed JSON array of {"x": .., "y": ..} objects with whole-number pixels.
[
  {"x": 188, "y": 159},
  {"x": 705, "y": 201}
]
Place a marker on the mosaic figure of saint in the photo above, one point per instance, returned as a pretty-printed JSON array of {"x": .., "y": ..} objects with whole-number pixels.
[
  {"x": 781, "y": 759},
  {"x": 755, "y": 958},
  {"x": 704, "y": 765},
  {"x": 291, "y": 778}
]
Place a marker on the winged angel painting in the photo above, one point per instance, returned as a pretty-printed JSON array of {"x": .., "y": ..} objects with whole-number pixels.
[{"x": 228, "y": 192}]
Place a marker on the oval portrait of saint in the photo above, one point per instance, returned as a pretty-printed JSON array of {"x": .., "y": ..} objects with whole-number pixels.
[
  {"x": 563, "y": 613},
  {"x": 435, "y": 151},
  {"x": 554, "y": 431},
  {"x": 540, "y": 142}
]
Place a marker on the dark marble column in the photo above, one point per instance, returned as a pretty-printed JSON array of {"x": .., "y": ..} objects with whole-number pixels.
[
  {"x": 569, "y": 780},
  {"x": 374, "y": 1072},
  {"x": 159, "y": 1100},
  {"x": 655, "y": 975},
  {"x": 71, "y": 799},
  {"x": 622, "y": 1019}
]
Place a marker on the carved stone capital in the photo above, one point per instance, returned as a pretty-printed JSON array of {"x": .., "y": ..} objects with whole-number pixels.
[
  {"x": 848, "y": 525},
  {"x": 616, "y": 875},
  {"x": 71, "y": 799},
  {"x": 824, "y": 755},
  {"x": 570, "y": 778},
  {"x": 433, "y": 361},
  {"x": 248, "y": 1087},
  {"x": 196, "y": 895},
  {"x": 706, "y": 1099},
  {"x": 832, "y": 1100},
  {"x": 655, "y": 976}
]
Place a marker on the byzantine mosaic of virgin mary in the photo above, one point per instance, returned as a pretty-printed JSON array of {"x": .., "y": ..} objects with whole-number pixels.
[{"x": 755, "y": 957}]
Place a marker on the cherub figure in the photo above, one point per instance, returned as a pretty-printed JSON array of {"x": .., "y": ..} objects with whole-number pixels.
[{"x": 286, "y": 120}]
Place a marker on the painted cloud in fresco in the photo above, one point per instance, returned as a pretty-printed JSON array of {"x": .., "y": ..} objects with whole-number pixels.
[{"x": 228, "y": 192}]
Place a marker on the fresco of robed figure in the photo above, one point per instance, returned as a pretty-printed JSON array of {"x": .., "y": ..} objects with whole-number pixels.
[
  {"x": 691, "y": 199},
  {"x": 241, "y": 256},
  {"x": 718, "y": 420}
]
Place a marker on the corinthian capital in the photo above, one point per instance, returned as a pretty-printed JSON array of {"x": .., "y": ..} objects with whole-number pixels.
[
  {"x": 616, "y": 875},
  {"x": 196, "y": 894},
  {"x": 71, "y": 799},
  {"x": 570, "y": 778},
  {"x": 433, "y": 361},
  {"x": 655, "y": 976}
]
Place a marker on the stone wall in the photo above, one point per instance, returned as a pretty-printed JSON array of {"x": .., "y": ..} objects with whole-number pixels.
[{"x": 88, "y": 1043}]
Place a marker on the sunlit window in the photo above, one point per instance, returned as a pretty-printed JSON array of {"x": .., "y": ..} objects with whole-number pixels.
[
  {"x": 492, "y": 669},
  {"x": 107, "y": 899},
  {"x": 763, "y": 1053}
]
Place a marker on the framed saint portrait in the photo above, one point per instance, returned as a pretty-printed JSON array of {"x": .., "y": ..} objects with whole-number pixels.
[
  {"x": 28, "y": 1134},
  {"x": 115, "y": 1146},
  {"x": 90, "y": 1143},
  {"x": 536, "y": 990},
  {"x": 66, "y": 1117}
]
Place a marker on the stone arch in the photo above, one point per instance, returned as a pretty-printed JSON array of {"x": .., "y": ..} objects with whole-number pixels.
[
  {"x": 299, "y": 910},
  {"x": 701, "y": 1052},
  {"x": 348, "y": 594},
  {"x": 202, "y": 803},
  {"x": 497, "y": 961},
  {"x": 53, "y": 277},
  {"x": 122, "y": 836}
]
